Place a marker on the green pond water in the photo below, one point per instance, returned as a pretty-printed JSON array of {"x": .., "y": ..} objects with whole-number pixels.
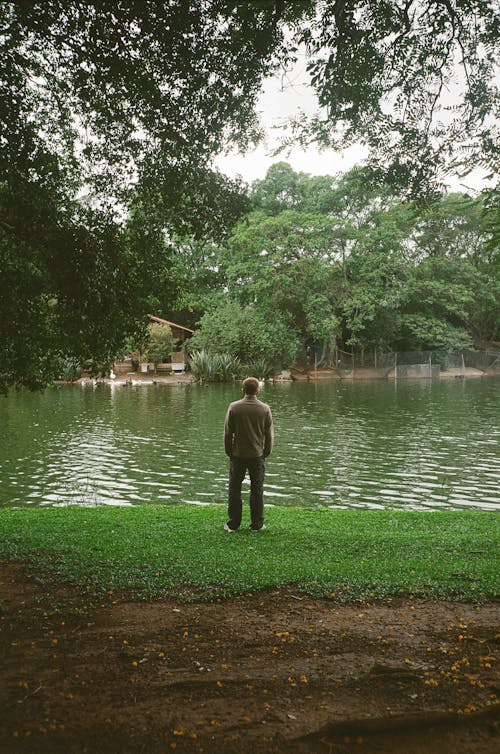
[{"x": 419, "y": 445}]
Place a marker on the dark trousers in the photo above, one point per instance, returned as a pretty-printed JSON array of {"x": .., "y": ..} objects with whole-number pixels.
[{"x": 237, "y": 469}]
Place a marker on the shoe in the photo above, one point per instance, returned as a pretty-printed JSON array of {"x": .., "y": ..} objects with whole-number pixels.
[
  {"x": 228, "y": 528},
  {"x": 261, "y": 528}
]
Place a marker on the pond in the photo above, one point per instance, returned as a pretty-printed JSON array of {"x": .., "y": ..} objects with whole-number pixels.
[{"x": 419, "y": 445}]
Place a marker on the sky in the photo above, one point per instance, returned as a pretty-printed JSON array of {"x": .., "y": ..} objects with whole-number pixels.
[{"x": 281, "y": 99}]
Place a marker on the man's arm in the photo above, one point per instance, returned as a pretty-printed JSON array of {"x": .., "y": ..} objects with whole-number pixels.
[
  {"x": 228, "y": 433},
  {"x": 268, "y": 435}
]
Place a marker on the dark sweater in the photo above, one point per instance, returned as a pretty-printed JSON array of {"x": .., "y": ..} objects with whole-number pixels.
[{"x": 248, "y": 429}]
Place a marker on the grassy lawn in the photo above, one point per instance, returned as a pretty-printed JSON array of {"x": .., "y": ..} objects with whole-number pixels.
[{"x": 183, "y": 551}]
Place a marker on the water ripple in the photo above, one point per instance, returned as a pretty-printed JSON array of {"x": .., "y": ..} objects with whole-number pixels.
[{"x": 337, "y": 445}]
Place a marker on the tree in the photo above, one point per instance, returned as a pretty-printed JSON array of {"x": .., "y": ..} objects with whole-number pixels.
[
  {"x": 155, "y": 85},
  {"x": 249, "y": 332},
  {"x": 414, "y": 80},
  {"x": 374, "y": 288},
  {"x": 491, "y": 217},
  {"x": 283, "y": 265},
  {"x": 360, "y": 268},
  {"x": 125, "y": 104},
  {"x": 66, "y": 286},
  {"x": 159, "y": 343},
  {"x": 331, "y": 263},
  {"x": 453, "y": 275},
  {"x": 122, "y": 105},
  {"x": 281, "y": 189},
  {"x": 160, "y": 86}
]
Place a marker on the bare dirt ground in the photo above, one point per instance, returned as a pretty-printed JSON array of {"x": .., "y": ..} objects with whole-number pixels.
[{"x": 270, "y": 672}]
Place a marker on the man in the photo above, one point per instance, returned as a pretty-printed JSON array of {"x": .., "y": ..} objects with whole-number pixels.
[{"x": 248, "y": 440}]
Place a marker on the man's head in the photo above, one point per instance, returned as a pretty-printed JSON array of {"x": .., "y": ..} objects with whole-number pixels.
[{"x": 250, "y": 386}]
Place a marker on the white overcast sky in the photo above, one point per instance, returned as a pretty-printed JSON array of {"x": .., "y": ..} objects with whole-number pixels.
[{"x": 281, "y": 99}]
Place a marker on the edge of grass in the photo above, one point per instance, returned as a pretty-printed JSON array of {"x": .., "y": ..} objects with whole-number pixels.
[{"x": 184, "y": 552}]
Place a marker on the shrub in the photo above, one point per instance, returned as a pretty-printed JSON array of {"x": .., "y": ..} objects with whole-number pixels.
[
  {"x": 228, "y": 366},
  {"x": 216, "y": 367},
  {"x": 247, "y": 333},
  {"x": 159, "y": 345},
  {"x": 69, "y": 368},
  {"x": 261, "y": 368}
]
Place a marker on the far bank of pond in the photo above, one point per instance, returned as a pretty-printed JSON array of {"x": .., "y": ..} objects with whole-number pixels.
[{"x": 356, "y": 444}]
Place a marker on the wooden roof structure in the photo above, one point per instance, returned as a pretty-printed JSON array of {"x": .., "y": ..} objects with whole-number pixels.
[{"x": 178, "y": 331}]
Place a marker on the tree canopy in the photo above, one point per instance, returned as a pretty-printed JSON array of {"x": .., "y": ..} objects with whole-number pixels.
[
  {"x": 414, "y": 80},
  {"x": 344, "y": 266},
  {"x": 112, "y": 113}
]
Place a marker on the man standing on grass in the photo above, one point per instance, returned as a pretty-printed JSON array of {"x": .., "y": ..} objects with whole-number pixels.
[{"x": 248, "y": 440}]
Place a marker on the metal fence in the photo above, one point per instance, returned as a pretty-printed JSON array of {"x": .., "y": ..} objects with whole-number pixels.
[{"x": 416, "y": 363}]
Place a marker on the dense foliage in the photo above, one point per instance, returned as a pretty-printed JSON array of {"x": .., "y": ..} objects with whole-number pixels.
[
  {"x": 412, "y": 79},
  {"x": 247, "y": 331},
  {"x": 111, "y": 115},
  {"x": 159, "y": 344},
  {"x": 335, "y": 263},
  {"x": 111, "y": 111}
]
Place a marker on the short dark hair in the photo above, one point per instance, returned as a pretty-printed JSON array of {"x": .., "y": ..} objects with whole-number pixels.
[{"x": 251, "y": 386}]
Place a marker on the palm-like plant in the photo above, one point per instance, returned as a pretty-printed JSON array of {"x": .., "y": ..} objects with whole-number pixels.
[
  {"x": 217, "y": 367},
  {"x": 261, "y": 368}
]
